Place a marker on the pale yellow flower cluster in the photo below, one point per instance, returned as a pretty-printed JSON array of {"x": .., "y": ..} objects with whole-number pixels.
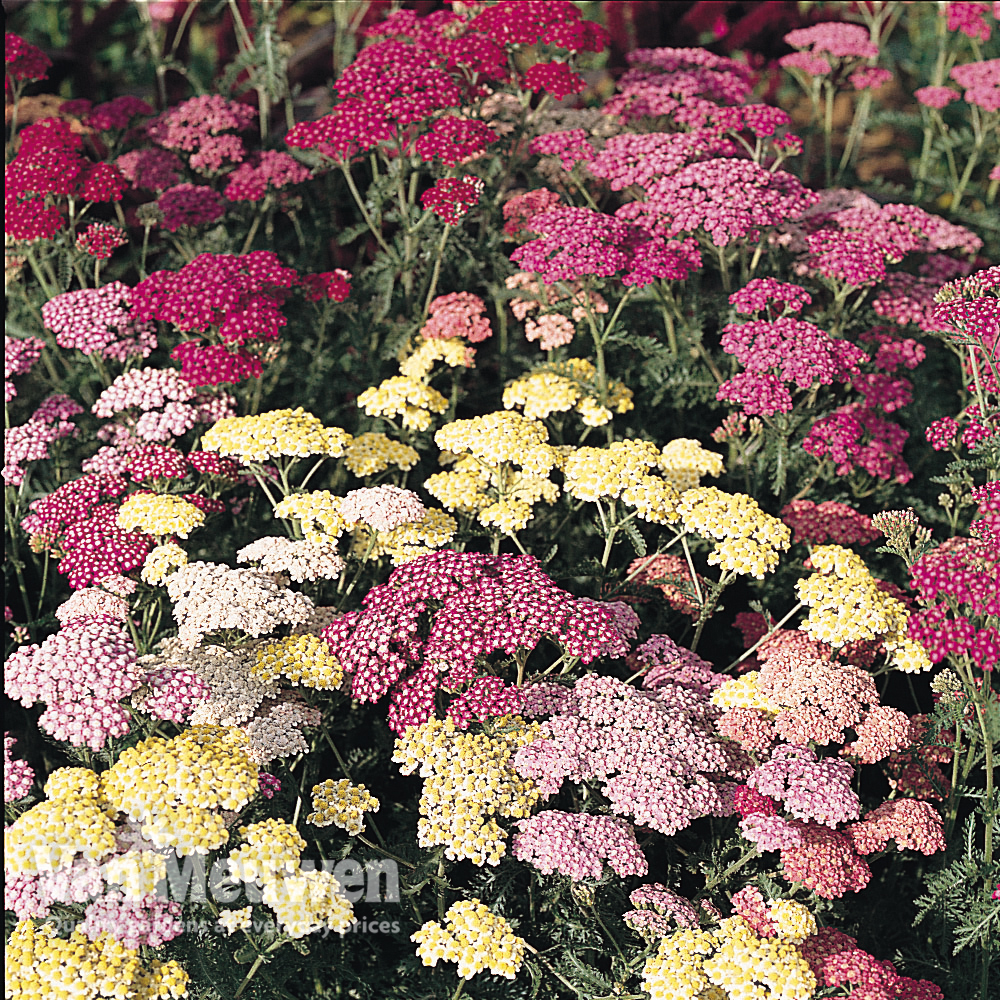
[
  {"x": 161, "y": 561},
  {"x": 304, "y": 901},
  {"x": 747, "y": 540},
  {"x": 42, "y": 966},
  {"x": 469, "y": 778},
  {"x": 731, "y": 961},
  {"x": 623, "y": 470},
  {"x": 845, "y": 604},
  {"x": 301, "y": 659},
  {"x": 371, "y": 453},
  {"x": 236, "y": 920},
  {"x": 404, "y": 397},
  {"x": 560, "y": 388},
  {"x": 683, "y": 462},
  {"x": 290, "y": 433},
  {"x": 341, "y": 803},
  {"x": 454, "y": 352},
  {"x": 272, "y": 846},
  {"x": 137, "y": 872},
  {"x": 475, "y": 938},
  {"x": 317, "y": 512},
  {"x": 159, "y": 514},
  {"x": 744, "y": 692},
  {"x": 178, "y": 788},
  {"x": 502, "y": 468},
  {"x": 407, "y": 542},
  {"x": 72, "y": 822}
]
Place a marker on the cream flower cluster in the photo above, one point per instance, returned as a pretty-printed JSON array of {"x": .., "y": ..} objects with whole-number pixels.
[
  {"x": 475, "y": 938},
  {"x": 318, "y": 514},
  {"x": 371, "y": 453},
  {"x": 683, "y": 462},
  {"x": 178, "y": 788},
  {"x": 407, "y": 542},
  {"x": 161, "y": 561},
  {"x": 502, "y": 465},
  {"x": 405, "y": 397},
  {"x": 846, "y": 604},
  {"x": 455, "y": 353},
  {"x": 301, "y": 659}
]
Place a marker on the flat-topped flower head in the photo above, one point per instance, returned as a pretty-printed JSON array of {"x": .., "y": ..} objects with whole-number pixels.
[{"x": 277, "y": 433}]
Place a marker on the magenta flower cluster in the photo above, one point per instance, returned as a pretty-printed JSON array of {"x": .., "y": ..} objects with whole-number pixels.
[{"x": 427, "y": 627}]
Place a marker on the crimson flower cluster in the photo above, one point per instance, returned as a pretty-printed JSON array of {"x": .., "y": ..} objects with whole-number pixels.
[
  {"x": 77, "y": 524},
  {"x": 426, "y": 629},
  {"x": 50, "y": 166}
]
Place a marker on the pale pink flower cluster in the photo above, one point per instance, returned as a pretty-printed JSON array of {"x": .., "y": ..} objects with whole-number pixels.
[
  {"x": 810, "y": 788},
  {"x": 99, "y": 320},
  {"x": 81, "y": 673},
  {"x": 18, "y": 775},
  {"x": 382, "y": 507},
  {"x": 175, "y": 692},
  {"x": 149, "y": 920},
  {"x": 458, "y": 314},
  {"x": 578, "y": 844},
  {"x": 301, "y": 559}
]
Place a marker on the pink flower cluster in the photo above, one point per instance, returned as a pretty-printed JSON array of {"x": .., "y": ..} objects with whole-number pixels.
[
  {"x": 149, "y": 920},
  {"x": 451, "y": 198},
  {"x": 18, "y": 775},
  {"x": 971, "y": 19},
  {"x": 835, "y": 38},
  {"x": 457, "y": 314},
  {"x": 520, "y": 209},
  {"x": 189, "y": 125},
  {"x": 454, "y": 140},
  {"x": 981, "y": 81},
  {"x": 578, "y": 845},
  {"x": 33, "y": 895},
  {"x": 854, "y": 436},
  {"x": 780, "y": 351},
  {"x": 653, "y": 752},
  {"x": 19, "y": 357},
  {"x": 266, "y": 171},
  {"x": 100, "y": 320},
  {"x": 81, "y": 673},
  {"x": 810, "y": 788},
  {"x": 685, "y": 84},
  {"x": 189, "y": 205},
  {"x": 382, "y": 507},
  {"x": 101, "y": 239},
  {"x": 77, "y": 523},
  {"x": 571, "y": 146},
  {"x": 555, "y": 78},
  {"x": 155, "y": 169},
  {"x": 424, "y": 629},
  {"x": 576, "y": 242},
  {"x": 838, "y": 962},
  {"x": 912, "y": 824},
  {"x": 762, "y": 294},
  {"x": 22, "y": 61},
  {"x": 30, "y": 442}
]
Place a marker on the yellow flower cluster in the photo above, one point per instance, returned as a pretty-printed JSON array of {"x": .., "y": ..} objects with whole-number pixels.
[
  {"x": 743, "y": 692},
  {"x": 40, "y": 965},
  {"x": 560, "y": 388},
  {"x": 308, "y": 901},
  {"x": 407, "y": 542},
  {"x": 502, "y": 468},
  {"x": 318, "y": 513},
  {"x": 159, "y": 514},
  {"x": 846, "y": 604},
  {"x": 70, "y": 823},
  {"x": 469, "y": 779},
  {"x": 793, "y": 921},
  {"x": 404, "y": 397},
  {"x": 301, "y": 659},
  {"x": 475, "y": 938},
  {"x": 622, "y": 470},
  {"x": 454, "y": 352},
  {"x": 683, "y": 462},
  {"x": 137, "y": 872},
  {"x": 272, "y": 846},
  {"x": 748, "y": 540},
  {"x": 302, "y": 901},
  {"x": 177, "y": 787},
  {"x": 340, "y": 803},
  {"x": 161, "y": 561},
  {"x": 292, "y": 433},
  {"x": 371, "y": 453},
  {"x": 731, "y": 959},
  {"x": 236, "y": 920}
]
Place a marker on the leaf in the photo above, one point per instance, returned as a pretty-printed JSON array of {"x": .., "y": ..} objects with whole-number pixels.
[{"x": 638, "y": 542}]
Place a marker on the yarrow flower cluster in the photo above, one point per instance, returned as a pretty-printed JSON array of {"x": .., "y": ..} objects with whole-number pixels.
[
  {"x": 99, "y": 320},
  {"x": 475, "y": 938},
  {"x": 342, "y": 804},
  {"x": 396, "y": 645}
]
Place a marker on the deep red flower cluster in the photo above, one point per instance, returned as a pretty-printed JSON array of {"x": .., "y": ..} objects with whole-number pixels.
[
  {"x": 22, "y": 61},
  {"x": 451, "y": 198}
]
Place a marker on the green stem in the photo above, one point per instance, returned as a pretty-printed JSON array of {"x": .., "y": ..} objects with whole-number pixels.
[
  {"x": 436, "y": 273},
  {"x": 359, "y": 201}
]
